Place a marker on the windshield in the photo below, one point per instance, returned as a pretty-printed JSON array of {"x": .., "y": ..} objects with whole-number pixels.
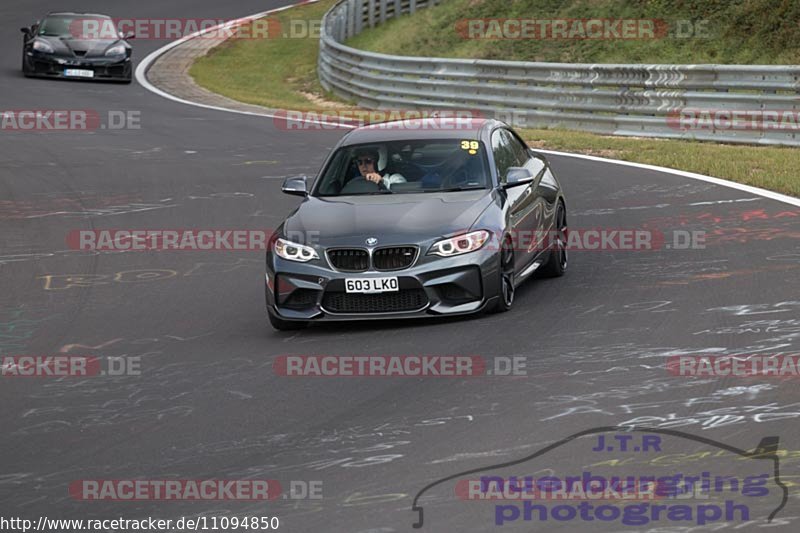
[
  {"x": 406, "y": 166},
  {"x": 67, "y": 25}
]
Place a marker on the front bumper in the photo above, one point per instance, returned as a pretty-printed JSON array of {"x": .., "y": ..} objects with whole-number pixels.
[
  {"x": 104, "y": 68},
  {"x": 434, "y": 285}
]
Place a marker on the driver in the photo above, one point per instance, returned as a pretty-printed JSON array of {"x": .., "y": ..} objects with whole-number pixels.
[{"x": 367, "y": 161}]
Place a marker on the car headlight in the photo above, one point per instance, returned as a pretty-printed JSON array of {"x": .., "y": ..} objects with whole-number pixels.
[
  {"x": 461, "y": 244},
  {"x": 43, "y": 46},
  {"x": 116, "y": 50},
  {"x": 293, "y": 251}
]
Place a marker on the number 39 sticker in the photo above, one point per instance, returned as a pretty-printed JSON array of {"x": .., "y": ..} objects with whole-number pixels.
[{"x": 470, "y": 146}]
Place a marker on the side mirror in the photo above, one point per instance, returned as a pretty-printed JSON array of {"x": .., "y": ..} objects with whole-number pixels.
[
  {"x": 26, "y": 31},
  {"x": 295, "y": 185},
  {"x": 129, "y": 35},
  {"x": 518, "y": 176}
]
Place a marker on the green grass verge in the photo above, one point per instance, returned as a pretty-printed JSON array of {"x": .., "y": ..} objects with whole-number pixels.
[
  {"x": 281, "y": 73},
  {"x": 278, "y": 73},
  {"x": 773, "y": 168},
  {"x": 731, "y": 32}
]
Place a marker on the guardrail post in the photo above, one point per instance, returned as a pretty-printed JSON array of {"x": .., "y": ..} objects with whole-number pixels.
[
  {"x": 341, "y": 25},
  {"x": 371, "y": 13},
  {"x": 382, "y": 17},
  {"x": 359, "y": 16},
  {"x": 351, "y": 19},
  {"x": 412, "y": 6}
]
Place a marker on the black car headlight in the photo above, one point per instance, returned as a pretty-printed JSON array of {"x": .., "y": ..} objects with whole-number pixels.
[
  {"x": 294, "y": 251},
  {"x": 116, "y": 50},
  {"x": 42, "y": 46},
  {"x": 460, "y": 244}
]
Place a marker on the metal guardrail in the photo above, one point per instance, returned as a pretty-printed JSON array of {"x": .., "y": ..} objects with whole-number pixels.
[{"x": 617, "y": 99}]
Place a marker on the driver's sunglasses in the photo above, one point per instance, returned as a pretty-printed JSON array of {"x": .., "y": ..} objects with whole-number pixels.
[{"x": 366, "y": 161}]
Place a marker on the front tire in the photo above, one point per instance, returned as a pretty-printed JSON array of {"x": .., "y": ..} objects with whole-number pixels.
[
  {"x": 506, "y": 293},
  {"x": 556, "y": 265}
]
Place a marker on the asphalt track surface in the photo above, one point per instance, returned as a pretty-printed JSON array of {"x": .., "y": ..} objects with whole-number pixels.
[{"x": 208, "y": 404}]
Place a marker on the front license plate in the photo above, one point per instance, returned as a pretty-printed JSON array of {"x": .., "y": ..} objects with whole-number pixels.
[
  {"x": 371, "y": 285},
  {"x": 79, "y": 73}
]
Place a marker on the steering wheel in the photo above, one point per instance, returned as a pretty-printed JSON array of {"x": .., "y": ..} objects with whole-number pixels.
[{"x": 360, "y": 184}]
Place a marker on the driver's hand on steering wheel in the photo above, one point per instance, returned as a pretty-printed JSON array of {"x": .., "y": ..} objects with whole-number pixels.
[{"x": 373, "y": 177}]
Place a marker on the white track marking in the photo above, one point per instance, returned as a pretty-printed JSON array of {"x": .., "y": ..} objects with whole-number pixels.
[
  {"x": 716, "y": 181},
  {"x": 144, "y": 64}
]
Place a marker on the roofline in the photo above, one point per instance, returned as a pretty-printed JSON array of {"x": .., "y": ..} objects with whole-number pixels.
[
  {"x": 74, "y": 13},
  {"x": 487, "y": 126}
]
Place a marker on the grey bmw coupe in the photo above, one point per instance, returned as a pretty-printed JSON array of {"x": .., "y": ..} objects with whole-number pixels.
[{"x": 416, "y": 218}]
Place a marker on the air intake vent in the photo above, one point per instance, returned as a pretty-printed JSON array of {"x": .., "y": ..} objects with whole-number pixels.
[
  {"x": 387, "y": 302},
  {"x": 301, "y": 299}
]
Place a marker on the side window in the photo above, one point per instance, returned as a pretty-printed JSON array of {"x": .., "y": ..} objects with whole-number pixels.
[
  {"x": 519, "y": 150},
  {"x": 523, "y": 157},
  {"x": 503, "y": 155}
]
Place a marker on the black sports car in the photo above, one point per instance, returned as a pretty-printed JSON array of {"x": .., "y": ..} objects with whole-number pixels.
[
  {"x": 67, "y": 45},
  {"x": 410, "y": 221}
]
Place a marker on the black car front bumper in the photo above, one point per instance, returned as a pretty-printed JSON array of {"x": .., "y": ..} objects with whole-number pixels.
[
  {"x": 53, "y": 66},
  {"x": 432, "y": 286}
]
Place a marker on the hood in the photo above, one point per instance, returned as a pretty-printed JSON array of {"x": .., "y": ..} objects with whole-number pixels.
[
  {"x": 392, "y": 218},
  {"x": 80, "y": 47}
]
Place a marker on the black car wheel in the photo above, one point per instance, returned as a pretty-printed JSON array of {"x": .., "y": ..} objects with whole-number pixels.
[
  {"x": 506, "y": 295},
  {"x": 557, "y": 263}
]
